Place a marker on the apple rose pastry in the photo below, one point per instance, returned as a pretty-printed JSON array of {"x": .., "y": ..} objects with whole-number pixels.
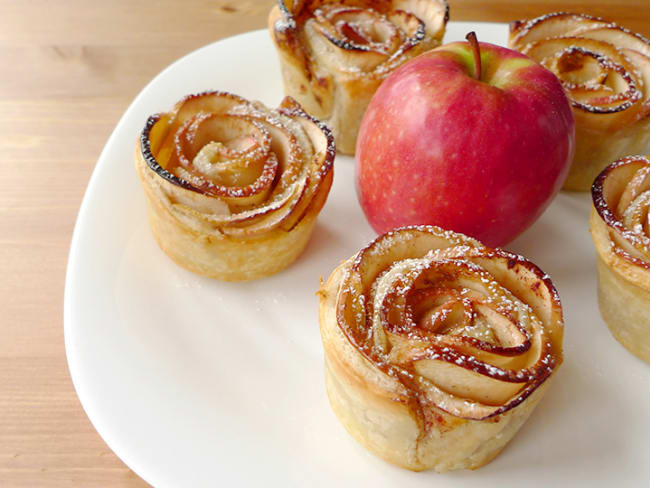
[
  {"x": 233, "y": 188},
  {"x": 620, "y": 228},
  {"x": 335, "y": 54},
  {"x": 605, "y": 70},
  {"x": 437, "y": 349}
]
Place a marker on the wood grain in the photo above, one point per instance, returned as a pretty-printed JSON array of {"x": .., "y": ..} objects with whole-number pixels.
[{"x": 70, "y": 69}]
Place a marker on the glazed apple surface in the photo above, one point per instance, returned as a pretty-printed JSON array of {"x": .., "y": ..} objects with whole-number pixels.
[{"x": 471, "y": 137}]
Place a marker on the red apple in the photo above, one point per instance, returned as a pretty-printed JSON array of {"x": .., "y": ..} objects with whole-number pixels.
[{"x": 471, "y": 137}]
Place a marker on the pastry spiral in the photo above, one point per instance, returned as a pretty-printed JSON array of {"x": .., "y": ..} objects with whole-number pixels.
[
  {"x": 605, "y": 70},
  {"x": 437, "y": 348},
  {"x": 620, "y": 228},
  {"x": 233, "y": 188},
  {"x": 335, "y": 54}
]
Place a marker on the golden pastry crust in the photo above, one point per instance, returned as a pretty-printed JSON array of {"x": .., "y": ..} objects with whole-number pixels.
[
  {"x": 437, "y": 349},
  {"x": 605, "y": 70},
  {"x": 233, "y": 188},
  {"x": 335, "y": 54},
  {"x": 621, "y": 234}
]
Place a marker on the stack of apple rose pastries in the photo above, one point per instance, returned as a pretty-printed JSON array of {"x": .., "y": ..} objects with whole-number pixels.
[
  {"x": 437, "y": 349},
  {"x": 233, "y": 188},
  {"x": 335, "y": 54},
  {"x": 605, "y": 70}
]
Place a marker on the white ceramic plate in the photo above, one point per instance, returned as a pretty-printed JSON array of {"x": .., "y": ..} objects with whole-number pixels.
[{"x": 193, "y": 382}]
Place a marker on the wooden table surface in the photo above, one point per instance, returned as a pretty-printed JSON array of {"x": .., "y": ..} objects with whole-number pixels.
[{"x": 69, "y": 69}]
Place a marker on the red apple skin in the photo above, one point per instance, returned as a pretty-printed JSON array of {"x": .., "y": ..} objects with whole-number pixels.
[{"x": 437, "y": 146}]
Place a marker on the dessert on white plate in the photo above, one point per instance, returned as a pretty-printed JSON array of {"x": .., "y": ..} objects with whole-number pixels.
[
  {"x": 233, "y": 188},
  {"x": 437, "y": 349},
  {"x": 621, "y": 233}
]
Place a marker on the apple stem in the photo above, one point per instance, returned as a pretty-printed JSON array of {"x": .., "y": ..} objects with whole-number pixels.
[{"x": 476, "y": 50}]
